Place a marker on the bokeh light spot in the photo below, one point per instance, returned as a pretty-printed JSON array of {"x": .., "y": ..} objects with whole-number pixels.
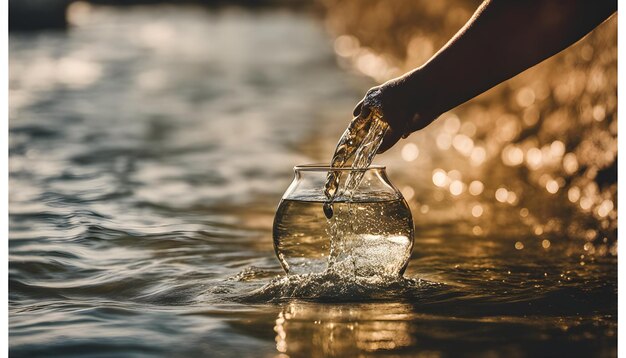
[
  {"x": 456, "y": 187},
  {"x": 476, "y": 187},
  {"x": 477, "y": 211},
  {"x": 552, "y": 186},
  {"x": 410, "y": 152},
  {"x": 440, "y": 178},
  {"x": 502, "y": 194}
]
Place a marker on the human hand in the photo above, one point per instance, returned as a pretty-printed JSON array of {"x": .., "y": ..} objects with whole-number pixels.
[{"x": 404, "y": 107}]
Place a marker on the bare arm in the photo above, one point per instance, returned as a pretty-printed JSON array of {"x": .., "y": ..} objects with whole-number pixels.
[{"x": 502, "y": 39}]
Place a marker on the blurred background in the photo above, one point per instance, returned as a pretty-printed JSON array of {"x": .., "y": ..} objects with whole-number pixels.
[{"x": 150, "y": 142}]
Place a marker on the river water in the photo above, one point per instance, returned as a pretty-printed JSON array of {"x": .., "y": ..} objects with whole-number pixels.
[{"x": 149, "y": 148}]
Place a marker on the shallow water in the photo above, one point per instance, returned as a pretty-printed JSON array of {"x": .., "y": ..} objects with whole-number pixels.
[{"x": 149, "y": 148}]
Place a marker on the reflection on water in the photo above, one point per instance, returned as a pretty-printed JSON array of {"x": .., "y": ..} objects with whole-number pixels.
[
  {"x": 149, "y": 148},
  {"x": 399, "y": 329},
  {"x": 343, "y": 330}
]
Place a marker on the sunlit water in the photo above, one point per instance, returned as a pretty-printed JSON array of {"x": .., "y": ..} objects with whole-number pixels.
[{"x": 149, "y": 148}]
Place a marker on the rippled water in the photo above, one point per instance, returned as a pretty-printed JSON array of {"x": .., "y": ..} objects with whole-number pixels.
[{"x": 148, "y": 150}]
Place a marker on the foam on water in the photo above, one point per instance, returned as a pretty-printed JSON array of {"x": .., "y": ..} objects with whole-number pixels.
[{"x": 335, "y": 286}]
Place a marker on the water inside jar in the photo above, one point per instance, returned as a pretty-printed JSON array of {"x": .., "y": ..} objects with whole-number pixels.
[{"x": 371, "y": 235}]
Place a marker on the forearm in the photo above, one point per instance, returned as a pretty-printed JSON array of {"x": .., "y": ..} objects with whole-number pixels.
[{"x": 502, "y": 39}]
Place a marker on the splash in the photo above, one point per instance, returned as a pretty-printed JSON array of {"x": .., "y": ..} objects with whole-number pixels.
[{"x": 334, "y": 286}]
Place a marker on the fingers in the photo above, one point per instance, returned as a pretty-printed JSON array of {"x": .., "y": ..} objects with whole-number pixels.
[
  {"x": 391, "y": 137},
  {"x": 361, "y": 111}
]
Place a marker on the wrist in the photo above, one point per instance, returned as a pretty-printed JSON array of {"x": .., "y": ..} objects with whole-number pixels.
[{"x": 415, "y": 98}]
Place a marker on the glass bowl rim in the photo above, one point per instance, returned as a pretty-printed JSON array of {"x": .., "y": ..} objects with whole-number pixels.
[{"x": 320, "y": 167}]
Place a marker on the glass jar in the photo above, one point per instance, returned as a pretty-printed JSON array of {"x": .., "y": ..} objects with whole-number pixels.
[{"x": 369, "y": 234}]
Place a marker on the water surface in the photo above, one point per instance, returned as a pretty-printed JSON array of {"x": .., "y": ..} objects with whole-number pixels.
[{"x": 148, "y": 150}]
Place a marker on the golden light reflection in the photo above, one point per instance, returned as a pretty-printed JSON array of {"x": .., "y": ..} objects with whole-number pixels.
[
  {"x": 463, "y": 144},
  {"x": 452, "y": 124},
  {"x": 531, "y": 116},
  {"x": 599, "y": 113},
  {"x": 570, "y": 163},
  {"x": 456, "y": 187},
  {"x": 525, "y": 97},
  {"x": 507, "y": 128},
  {"x": 534, "y": 158},
  {"x": 585, "y": 203},
  {"x": 476, "y": 187},
  {"x": 410, "y": 152},
  {"x": 573, "y": 194},
  {"x": 552, "y": 186},
  {"x": 501, "y": 195},
  {"x": 444, "y": 141},
  {"x": 455, "y": 174},
  {"x": 477, "y": 211},
  {"x": 605, "y": 208},
  {"x": 440, "y": 178},
  {"x": 512, "y": 155},
  {"x": 468, "y": 128},
  {"x": 511, "y": 198},
  {"x": 343, "y": 330},
  {"x": 557, "y": 149},
  {"x": 478, "y": 156}
]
